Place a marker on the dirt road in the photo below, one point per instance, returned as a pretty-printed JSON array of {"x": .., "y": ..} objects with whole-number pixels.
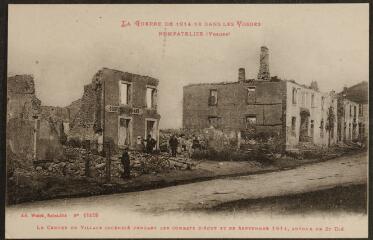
[{"x": 337, "y": 172}]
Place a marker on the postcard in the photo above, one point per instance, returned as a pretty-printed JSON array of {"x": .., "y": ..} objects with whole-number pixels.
[{"x": 187, "y": 121}]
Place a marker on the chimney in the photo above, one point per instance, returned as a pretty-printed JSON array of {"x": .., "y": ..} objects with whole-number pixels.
[
  {"x": 241, "y": 74},
  {"x": 263, "y": 74}
]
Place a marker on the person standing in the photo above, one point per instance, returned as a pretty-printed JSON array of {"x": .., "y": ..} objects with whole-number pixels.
[
  {"x": 150, "y": 144},
  {"x": 173, "y": 145},
  {"x": 125, "y": 159},
  {"x": 196, "y": 144}
]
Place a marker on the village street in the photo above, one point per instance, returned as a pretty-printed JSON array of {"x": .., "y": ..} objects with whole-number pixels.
[{"x": 343, "y": 171}]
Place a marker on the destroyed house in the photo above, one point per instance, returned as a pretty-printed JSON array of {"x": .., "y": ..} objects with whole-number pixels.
[
  {"x": 353, "y": 112},
  {"x": 119, "y": 105},
  {"x": 295, "y": 112}
]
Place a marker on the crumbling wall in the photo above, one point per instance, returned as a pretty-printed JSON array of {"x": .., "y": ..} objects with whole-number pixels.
[
  {"x": 82, "y": 125},
  {"x": 48, "y": 141},
  {"x": 74, "y": 108},
  {"x": 21, "y": 99},
  {"x": 26, "y": 121},
  {"x": 233, "y": 105},
  {"x": 60, "y": 117},
  {"x": 20, "y": 139},
  {"x": 318, "y": 115}
]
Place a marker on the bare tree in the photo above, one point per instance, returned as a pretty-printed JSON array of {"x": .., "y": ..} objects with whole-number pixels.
[{"x": 330, "y": 122}]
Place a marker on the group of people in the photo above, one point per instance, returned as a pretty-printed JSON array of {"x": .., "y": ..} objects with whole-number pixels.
[
  {"x": 148, "y": 145},
  {"x": 176, "y": 144},
  {"x": 179, "y": 144}
]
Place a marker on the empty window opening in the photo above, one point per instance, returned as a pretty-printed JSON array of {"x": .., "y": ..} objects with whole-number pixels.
[
  {"x": 350, "y": 111},
  {"x": 151, "y": 94},
  {"x": 250, "y": 122},
  {"x": 361, "y": 110},
  {"x": 250, "y": 94},
  {"x": 293, "y": 125},
  {"x": 322, "y": 128},
  {"x": 214, "y": 122},
  {"x": 125, "y": 90},
  {"x": 213, "y": 98},
  {"x": 294, "y": 96}
]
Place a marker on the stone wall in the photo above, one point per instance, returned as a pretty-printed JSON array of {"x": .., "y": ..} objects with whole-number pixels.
[
  {"x": 81, "y": 125},
  {"x": 111, "y": 79},
  {"x": 317, "y": 110},
  {"x": 21, "y": 99},
  {"x": 234, "y": 105},
  {"x": 27, "y": 122},
  {"x": 348, "y": 120},
  {"x": 104, "y": 91}
]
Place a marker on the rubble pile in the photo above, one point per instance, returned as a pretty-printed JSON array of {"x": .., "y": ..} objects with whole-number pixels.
[{"x": 74, "y": 161}]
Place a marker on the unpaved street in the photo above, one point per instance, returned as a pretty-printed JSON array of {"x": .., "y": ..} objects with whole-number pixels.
[{"x": 337, "y": 172}]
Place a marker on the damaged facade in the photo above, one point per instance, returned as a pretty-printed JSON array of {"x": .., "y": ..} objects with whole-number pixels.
[
  {"x": 30, "y": 134},
  {"x": 353, "y": 110},
  {"x": 294, "y": 112},
  {"x": 119, "y": 105}
]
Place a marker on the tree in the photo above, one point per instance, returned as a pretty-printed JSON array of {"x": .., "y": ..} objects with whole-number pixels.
[
  {"x": 314, "y": 86},
  {"x": 330, "y": 122}
]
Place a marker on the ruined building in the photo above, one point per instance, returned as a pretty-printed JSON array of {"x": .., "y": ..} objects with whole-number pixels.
[
  {"x": 295, "y": 112},
  {"x": 119, "y": 105},
  {"x": 353, "y": 112},
  {"x": 30, "y": 134}
]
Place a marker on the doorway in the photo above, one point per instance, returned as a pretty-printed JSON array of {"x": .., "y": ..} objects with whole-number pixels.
[
  {"x": 125, "y": 132},
  {"x": 151, "y": 128},
  {"x": 304, "y": 122}
]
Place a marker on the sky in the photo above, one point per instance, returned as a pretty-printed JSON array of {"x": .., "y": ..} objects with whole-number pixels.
[{"x": 63, "y": 46}]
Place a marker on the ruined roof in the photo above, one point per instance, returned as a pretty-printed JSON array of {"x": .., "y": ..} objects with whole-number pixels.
[
  {"x": 128, "y": 74},
  {"x": 226, "y": 83},
  {"x": 358, "y": 92},
  {"x": 214, "y": 83}
]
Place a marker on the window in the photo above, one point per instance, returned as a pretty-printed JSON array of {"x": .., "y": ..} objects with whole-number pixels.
[
  {"x": 213, "y": 98},
  {"x": 354, "y": 111},
  {"x": 350, "y": 111},
  {"x": 250, "y": 94},
  {"x": 124, "y": 92},
  {"x": 294, "y": 96},
  {"x": 303, "y": 99},
  {"x": 151, "y": 94},
  {"x": 361, "y": 110},
  {"x": 322, "y": 103},
  {"x": 312, "y": 127},
  {"x": 322, "y": 128},
  {"x": 313, "y": 100},
  {"x": 293, "y": 125},
  {"x": 214, "y": 122},
  {"x": 250, "y": 121}
]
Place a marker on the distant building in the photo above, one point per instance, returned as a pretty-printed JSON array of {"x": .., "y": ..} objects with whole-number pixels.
[
  {"x": 120, "y": 105},
  {"x": 354, "y": 111},
  {"x": 295, "y": 112},
  {"x": 348, "y": 120}
]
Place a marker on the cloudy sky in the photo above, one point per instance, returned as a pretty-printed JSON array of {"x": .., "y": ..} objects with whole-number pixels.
[{"x": 63, "y": 46}]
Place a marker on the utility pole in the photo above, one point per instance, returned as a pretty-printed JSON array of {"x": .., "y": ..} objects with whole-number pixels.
[{"x": 108, "y": 151}]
